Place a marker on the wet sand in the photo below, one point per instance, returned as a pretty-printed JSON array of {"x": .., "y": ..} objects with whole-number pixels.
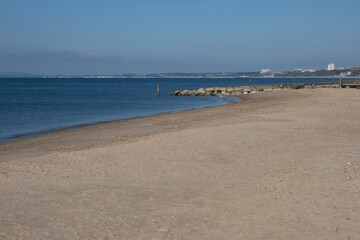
[{"x": 281, "y": 165}]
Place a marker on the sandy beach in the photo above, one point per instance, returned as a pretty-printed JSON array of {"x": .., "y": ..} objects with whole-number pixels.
[{"x": 279, "y": 165}]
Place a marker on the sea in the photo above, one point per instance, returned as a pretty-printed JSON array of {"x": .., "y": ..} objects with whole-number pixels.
[{"x": 31, "y": 107}]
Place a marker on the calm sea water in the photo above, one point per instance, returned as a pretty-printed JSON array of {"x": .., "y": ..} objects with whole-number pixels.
[{"x": 31, "y": 107}]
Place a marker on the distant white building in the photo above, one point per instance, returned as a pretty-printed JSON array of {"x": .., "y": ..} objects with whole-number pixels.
[
  {"x": 345, "y": 74},
  {"x": 265, "y": 71},
  {"x": 331, "y": 67},
  {"x": 304, "y": 70}
]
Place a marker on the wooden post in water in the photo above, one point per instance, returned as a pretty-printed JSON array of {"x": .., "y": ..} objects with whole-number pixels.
[
  {"x": 341, "y": 83},
  {"x": 158, "y": 89},
  {"x": 249, "y": 81}
]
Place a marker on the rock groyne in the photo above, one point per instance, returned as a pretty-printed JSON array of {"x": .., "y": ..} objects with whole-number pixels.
[{"x": 235, "y": 91}]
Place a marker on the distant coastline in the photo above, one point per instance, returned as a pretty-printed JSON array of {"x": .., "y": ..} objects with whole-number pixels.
[
  {"x": 350, "y": 72},
  {"x": 189, "y": 77}
]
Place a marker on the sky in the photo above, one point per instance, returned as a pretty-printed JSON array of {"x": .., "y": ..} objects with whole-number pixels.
[{"x": 141, "y": 36}]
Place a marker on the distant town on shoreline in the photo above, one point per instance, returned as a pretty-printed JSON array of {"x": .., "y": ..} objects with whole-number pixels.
[{"x": 329, "y": 72}]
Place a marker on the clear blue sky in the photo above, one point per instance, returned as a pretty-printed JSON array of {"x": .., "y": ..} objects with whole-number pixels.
[{"x": 146, "y": 36}]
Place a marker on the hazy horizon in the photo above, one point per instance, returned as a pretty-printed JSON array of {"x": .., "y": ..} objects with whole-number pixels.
[{"x": 125, "y": 37}]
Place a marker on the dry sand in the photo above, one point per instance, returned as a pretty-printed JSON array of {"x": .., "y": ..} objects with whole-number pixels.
[{"x": 282, "y": 165}]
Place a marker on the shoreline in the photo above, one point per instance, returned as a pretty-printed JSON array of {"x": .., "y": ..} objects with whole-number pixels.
[
  {"x": 25, "y": 136},
  {"x": 22, "y": 137},
  {"x": 122, "y": 130}
]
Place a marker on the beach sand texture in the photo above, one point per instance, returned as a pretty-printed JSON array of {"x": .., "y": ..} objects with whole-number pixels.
[{"x": 281, "y": 165}]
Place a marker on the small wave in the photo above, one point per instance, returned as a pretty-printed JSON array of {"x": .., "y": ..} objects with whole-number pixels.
[{"x": 231, "y": 99}]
